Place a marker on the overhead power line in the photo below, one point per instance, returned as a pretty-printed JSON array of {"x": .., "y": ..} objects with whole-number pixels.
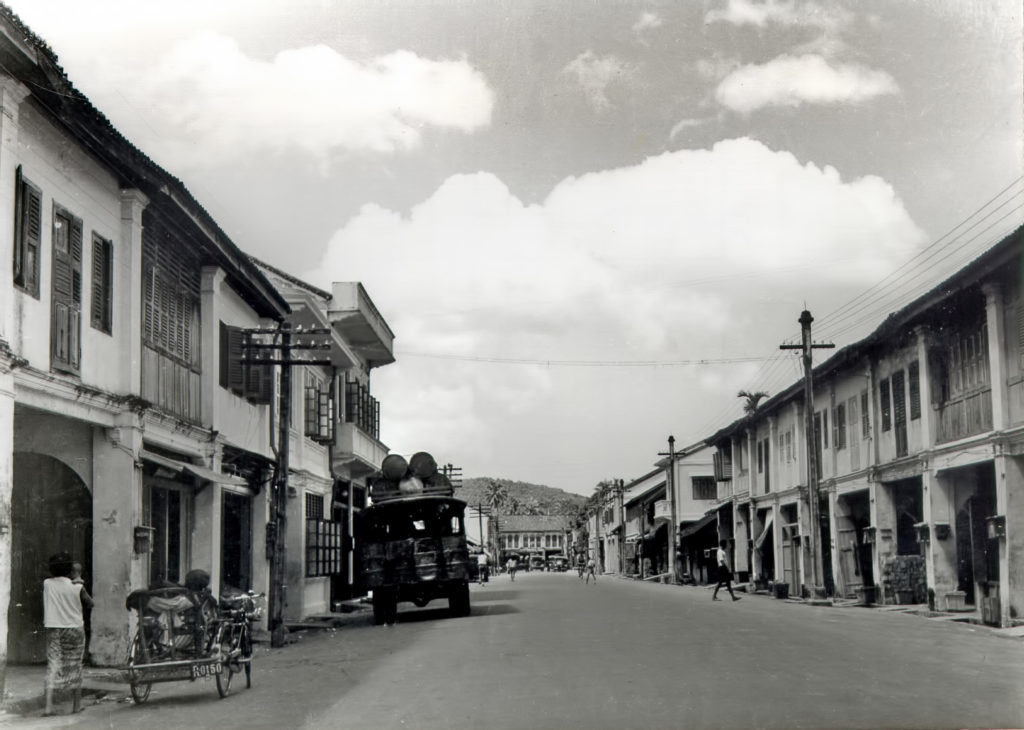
[{"x": 583, "y": 363}]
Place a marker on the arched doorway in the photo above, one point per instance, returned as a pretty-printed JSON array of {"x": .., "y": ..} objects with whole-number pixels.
[{"x": 51, "y": 513}]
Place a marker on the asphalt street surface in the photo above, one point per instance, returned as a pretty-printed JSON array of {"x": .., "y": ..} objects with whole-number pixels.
[{"x": 548, "y": 651}]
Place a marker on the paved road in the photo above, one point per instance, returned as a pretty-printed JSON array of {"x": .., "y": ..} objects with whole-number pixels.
[{"x": 550, "y": 652}]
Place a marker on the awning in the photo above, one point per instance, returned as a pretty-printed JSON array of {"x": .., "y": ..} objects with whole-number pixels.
[
  {"x": 764, "y": 533},
  {"x": 194, "y": 470},
  {"x": 698, "y": 525}
]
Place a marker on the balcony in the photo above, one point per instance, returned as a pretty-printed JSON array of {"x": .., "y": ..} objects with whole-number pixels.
[
  {"x": 357, "y": 451},
  {"x": 662, "y": 511},
  {"x": 353, "y": 314}
]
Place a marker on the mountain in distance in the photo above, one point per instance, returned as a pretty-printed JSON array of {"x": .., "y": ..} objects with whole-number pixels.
[{"x": 519, "y": 498}]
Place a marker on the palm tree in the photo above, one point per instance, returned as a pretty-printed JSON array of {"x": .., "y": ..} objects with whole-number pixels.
[
  {"x": 496, "y": 495},
  {"x": 753, "y": 400}
]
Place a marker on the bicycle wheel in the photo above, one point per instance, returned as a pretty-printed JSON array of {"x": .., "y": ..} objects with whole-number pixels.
[
  {"x": 223, "y": 679},
  {"x": 139, "y": 690}
]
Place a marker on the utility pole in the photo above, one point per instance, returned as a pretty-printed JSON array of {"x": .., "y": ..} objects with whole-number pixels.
[
  {"x": 808, "y": 346},
  {"x": 671, "y": 484},
  {"x": 280, "y": 350},
  {"x": 619, "y": 488}
]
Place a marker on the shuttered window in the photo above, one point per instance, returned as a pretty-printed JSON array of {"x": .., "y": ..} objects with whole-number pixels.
[
  {"x": 839, "y": 422},
  {"x": 914, "y": 384},
  {"x": 66, "y": 327},
  {"x": 865, "y": 415},
  {"x": 899, "y": 409},
  {"x": 319, "y": 411},
  {"x": 254, "y": 381},
  {"x": 28, "y": 227},
  {"x": 102, "y": 284},
  {"x": 170, "y": 296},
  {"x": 885, "y": 404}
]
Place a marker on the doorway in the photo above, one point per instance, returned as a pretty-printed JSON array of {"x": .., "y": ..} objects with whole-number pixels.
[
  {"x": 236, "y": 542},
  {"x": 51, "y": 513}
]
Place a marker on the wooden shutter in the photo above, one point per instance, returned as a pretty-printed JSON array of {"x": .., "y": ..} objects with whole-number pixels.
[
  {"x": 28, "y": 231},
  {"x": 232, "y": 369},
  {"x": 102, "y": 294},
  {"x": 65, "y": 336}
]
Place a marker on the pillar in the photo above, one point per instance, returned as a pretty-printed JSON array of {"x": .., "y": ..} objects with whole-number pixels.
[
  {"x": 996, "y": 354},
  {"x": 6, "y": 491},
  {"x": 117, "y": 510},
  {"x": 1010, "y": 502},
  {"x": 128, "y": 318}
]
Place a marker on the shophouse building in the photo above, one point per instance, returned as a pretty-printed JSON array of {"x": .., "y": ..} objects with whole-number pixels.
[
  {"x": 120, "y": 441},
  {"x": 334, "y": 432},
  {"x": 919, "y": 437},
  {"x": 528, "y": 535},
  {"x": 645, "y": 552},
  {"x": 135, "y": 433},
  {"x": 696, "y": 496}
]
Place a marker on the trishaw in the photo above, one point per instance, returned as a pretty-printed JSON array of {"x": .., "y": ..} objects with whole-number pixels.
[{"x": 184, "y": 634}]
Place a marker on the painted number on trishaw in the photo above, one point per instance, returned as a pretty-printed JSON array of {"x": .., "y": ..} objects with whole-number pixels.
[{"x": 206, "y": 670}]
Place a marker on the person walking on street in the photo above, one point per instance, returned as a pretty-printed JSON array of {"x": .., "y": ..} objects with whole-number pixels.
[
  {"x": 590, "y": 570},
  {"x": 65, "y": 632},
  {"x": 512, "y": 564},
  {"x": 724, "y": 574},
  {"x": 482, "y": 567}
]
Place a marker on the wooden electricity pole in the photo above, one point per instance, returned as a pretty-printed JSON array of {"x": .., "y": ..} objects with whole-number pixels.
[
  {"x": 280, "y": 350},
  {"x": 671, "y": 489},
  {"x": 808, "y": 346}
]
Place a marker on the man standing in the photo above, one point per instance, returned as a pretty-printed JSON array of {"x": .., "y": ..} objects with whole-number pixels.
[
  {"x": 590, "y": 570},
  {"x": 724, "y": 574},
  {"x": 512, "y": 564}
]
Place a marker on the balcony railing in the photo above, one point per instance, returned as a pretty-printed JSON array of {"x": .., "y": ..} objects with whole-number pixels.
[
  {"x": 663, "y": 510},
  {"x": 963, "y": 417}
]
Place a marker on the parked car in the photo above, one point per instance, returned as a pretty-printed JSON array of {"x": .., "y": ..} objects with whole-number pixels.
[
  {"x": 558, "y": 563},
  {"x": 537, "y": 562}
]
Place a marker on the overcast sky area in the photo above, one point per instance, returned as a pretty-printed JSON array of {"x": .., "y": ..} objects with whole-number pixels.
[{"x": 588, "y": 223}]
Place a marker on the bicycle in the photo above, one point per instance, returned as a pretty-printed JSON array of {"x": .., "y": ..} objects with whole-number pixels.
[{"x": 234, "y": 637}]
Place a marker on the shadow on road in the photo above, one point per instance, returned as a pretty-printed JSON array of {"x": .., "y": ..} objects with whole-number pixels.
[{"x": 485, "y": 595}]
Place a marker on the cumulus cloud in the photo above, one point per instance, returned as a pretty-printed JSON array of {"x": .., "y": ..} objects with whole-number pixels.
[
  {"x": 208, "y": 101},
  {"x": 789, "y": 13},
  {"x": 647, "y": 21},
  {"x": 795, "y": 80},
  {"x": 654, "y": 260},
  {"x": 595, "y": 74}
]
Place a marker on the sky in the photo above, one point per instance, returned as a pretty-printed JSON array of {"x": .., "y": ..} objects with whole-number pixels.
[{"x": 589, "y": 223}]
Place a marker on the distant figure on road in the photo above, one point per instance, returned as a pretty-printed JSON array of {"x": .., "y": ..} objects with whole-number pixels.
[
  {"x": 580, "y": 565},
  {"x": 724, "y": 574},
  {"x": 512, "y": 564},
  {"x": 482, "y": 567},
  {"x": 590, "y": 570}
]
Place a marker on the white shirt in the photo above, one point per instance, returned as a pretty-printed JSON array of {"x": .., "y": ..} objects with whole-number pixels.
[
  {"x": 721, "y": 557},
  {"x": 481, "y": 559},
  {"x": 62, "y": 604}
]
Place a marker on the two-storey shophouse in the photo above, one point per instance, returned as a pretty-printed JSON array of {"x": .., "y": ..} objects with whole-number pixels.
[
  {"x": 918, "y": 434},
  {"x": 645, "y": 551},
  {"x": 696, "y": 493},
  {"x": 124, "y": 437},
  {"x": 334, "y": 436}
]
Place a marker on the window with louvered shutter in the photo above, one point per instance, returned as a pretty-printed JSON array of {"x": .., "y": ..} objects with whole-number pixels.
[
  {"x": 171, "y": 281},
  {"x": 102, "y": 293},
  {"x": 839, "y": 422},
  {"x": 914, "y": 385},
  {"x": 865, "y": 415},
  {"x": 66, "y": 304},
  {"x": 885, "y": 404},
  {"x": 28, "y": 228}
]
